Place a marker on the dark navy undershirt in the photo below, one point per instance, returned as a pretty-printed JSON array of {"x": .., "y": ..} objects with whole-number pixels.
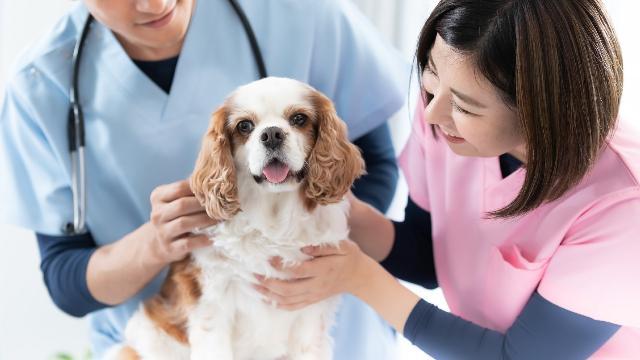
[
  {"x": 543, "y": 330},
  {"x": 160, "y": 72},
  {"x": 64, "y": 259}
]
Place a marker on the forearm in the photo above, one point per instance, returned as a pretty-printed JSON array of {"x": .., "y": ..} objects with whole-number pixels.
[
  {"x": 119, "y": 270},
  {"x": 380, "y": 290},
  {"x": 542, "y": 330},
  {"x": 371, "y": 230}
]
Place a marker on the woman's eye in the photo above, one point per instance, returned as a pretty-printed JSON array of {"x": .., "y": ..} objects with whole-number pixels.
[
  {"x": 458, "y": 108},
  {"x": 429, "y": 71},
  {"x": 245, "y": 126},
  {"x": 429, "y": 96},
  {"x": 299, "y": 119}
]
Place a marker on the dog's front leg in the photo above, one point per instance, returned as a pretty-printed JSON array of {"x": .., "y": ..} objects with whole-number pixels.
[
  {"x": 210, "y": 330},
  {"x": 310, "y": 334}
]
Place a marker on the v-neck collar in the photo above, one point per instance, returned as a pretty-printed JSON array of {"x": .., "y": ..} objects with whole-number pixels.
[
  {"x": 156, "y": 103},
  {"x": 113, "y": 58},
  {"x": 499, "y": 191}
]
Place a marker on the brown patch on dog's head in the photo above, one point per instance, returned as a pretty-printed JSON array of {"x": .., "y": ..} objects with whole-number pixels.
[
  {"x": 334, "y": 163},
  {"x": 214, "y": 178}
]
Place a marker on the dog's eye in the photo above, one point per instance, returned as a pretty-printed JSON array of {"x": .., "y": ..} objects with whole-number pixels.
[
  {"x": 299, "y": 119},
  {"x": 245, "y": 126}
]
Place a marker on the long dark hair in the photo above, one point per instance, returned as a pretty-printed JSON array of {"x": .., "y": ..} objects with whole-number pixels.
[{"x": 558, "y": 64}]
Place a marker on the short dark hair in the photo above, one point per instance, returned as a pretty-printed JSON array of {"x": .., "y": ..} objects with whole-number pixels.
[{"x": 558, "y": 64}]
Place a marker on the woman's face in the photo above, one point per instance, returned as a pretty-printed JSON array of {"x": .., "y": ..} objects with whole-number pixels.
[
  {"x": 147, "y": 29},
  {"x": 467, "y": 109}
]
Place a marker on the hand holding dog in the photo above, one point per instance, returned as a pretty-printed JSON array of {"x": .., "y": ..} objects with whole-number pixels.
[
  {"x": 331, "y": 271},
  {"x": 175, "y": 213}
]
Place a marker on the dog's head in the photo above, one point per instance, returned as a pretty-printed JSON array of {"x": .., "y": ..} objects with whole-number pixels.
[{"x": 284, "y": 136}]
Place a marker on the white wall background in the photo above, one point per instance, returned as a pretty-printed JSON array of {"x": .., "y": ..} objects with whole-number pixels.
[{"x": 31, "y": 327}]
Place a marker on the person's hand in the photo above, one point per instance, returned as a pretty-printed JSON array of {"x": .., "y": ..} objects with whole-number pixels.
[
  {"x": 331, "y": 271},
  {"x": 175, "y": 214}
]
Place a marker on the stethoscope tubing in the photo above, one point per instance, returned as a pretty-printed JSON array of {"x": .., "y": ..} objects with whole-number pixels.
[{"x": 75, "y": 127}]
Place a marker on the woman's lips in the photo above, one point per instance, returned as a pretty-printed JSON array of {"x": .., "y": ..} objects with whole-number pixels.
[
  {"x": 452, "y": 138},
  {"x": 164, "y": 20}
]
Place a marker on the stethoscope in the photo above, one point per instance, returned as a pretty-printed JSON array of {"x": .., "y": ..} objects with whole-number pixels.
[{"x": 76, "y": 121}]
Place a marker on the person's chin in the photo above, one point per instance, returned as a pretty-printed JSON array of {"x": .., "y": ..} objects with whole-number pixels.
[{"x": 464, "y": 149}]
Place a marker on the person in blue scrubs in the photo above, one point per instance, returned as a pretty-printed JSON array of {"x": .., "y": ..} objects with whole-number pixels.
[{"x": 152, "y": 72}]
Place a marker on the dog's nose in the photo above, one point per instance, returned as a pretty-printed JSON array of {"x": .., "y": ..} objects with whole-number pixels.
[{"x": 272, "y": 137}]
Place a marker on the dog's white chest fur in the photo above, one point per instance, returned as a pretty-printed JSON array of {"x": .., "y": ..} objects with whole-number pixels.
[
  {"x": 231, "y": 320},
  {"x": 255, "y": 329}
]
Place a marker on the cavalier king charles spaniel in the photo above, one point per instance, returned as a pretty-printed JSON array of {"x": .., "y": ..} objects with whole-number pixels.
[{"x": 275, "y": 166}]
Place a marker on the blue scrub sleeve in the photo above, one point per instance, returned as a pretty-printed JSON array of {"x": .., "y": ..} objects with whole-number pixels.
[
  {"x": 378, "y": 186},
  {"x": 64, "y": 261},
  {"x": 542, "y": 331},
  {"x": 411, "y": 257}
]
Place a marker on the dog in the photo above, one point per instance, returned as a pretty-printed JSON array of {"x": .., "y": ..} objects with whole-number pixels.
[{"x": 274, "y": 167}]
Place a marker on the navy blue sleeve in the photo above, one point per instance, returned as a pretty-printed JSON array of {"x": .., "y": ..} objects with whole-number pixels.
[
  {"x": 411, "y": 257},
  {"x": 543, "y": 330},
  {"x": 378, "y": 186},
  {"x": 63, "y": 261}
]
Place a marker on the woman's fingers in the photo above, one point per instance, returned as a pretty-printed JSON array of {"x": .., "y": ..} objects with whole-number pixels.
[
  {"x": 299, "y": 271},
  {"x": 289, "y": 303},
  {"x": 286, "y": 288},
  {"x": 327, "y": 250}
]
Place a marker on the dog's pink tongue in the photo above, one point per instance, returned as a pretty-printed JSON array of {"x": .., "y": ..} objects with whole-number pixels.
[{"x": 276, "y": 172}]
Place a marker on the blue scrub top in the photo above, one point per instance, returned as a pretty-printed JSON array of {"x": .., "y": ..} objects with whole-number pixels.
[{"x": 139, "y": 137}]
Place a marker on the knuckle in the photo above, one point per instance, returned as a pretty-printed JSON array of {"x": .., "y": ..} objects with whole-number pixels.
[
  {"x": 286, "y": 291},
  {"x": 181, "y": 205},
  {"x": 155, "y": 217},
  {"x": 155, "y": 194},
  {"x": 182, "y": 222},
  {"x": 166, "y": 235},
  {"x": 306, "y": 268},
  {"x": 299, "y": 270},
  {"x": 179, "y": 249}
]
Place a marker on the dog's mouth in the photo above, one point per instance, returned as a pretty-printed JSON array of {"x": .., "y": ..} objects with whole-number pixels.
[{"x": 277, "y": 172}]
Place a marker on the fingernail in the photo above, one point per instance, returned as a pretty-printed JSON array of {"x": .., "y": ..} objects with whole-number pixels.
[
  {"x": 258, "y": 276},
  {"x": 308, "y": 249},
  {"x": 275, "y": 261}
]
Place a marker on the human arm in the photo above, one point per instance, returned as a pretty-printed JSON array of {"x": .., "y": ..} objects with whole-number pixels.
[
  {"x": 403, "y": 248},
  {"x": 82, "y": 277},
  {"x": 542, "y": 330},
  {"x": 119, "y": 270},
  {"x": 63, "y": 262}
]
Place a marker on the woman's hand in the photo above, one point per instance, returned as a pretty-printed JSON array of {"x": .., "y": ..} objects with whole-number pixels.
[
  {"x": 331, "y": 271},
  {"x": 175, "y": 213}
]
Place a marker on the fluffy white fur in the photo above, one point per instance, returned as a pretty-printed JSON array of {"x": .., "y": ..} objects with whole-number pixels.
[
  {"x": 231, "y": 314},
  {"x": 231, "y": 319}
]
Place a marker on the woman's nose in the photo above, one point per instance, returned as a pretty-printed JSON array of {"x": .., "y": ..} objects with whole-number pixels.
[
  {"x": 438, "y": 110},
  {"x": 152, "y": 6}
]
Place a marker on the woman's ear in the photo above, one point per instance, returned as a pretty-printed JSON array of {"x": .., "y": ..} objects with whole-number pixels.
[
  {"x": 334, "y": 163},
  {"x": 214, "y": 178}
]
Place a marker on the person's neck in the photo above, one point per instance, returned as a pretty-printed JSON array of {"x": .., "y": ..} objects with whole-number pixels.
[
  {"x": 519, "y": 153},
  {"x": 144, "y": 53}
]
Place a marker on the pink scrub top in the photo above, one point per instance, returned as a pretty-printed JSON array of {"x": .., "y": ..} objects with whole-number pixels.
[{"x": 581, "y": 252}]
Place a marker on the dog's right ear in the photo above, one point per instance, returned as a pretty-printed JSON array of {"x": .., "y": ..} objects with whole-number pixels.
[{"x": 214, "y": 178}]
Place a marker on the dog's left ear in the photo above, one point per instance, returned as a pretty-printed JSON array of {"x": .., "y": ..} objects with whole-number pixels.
[
  {"x": 334, "y": 163},
  {"x": 214, "y": 178}
]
